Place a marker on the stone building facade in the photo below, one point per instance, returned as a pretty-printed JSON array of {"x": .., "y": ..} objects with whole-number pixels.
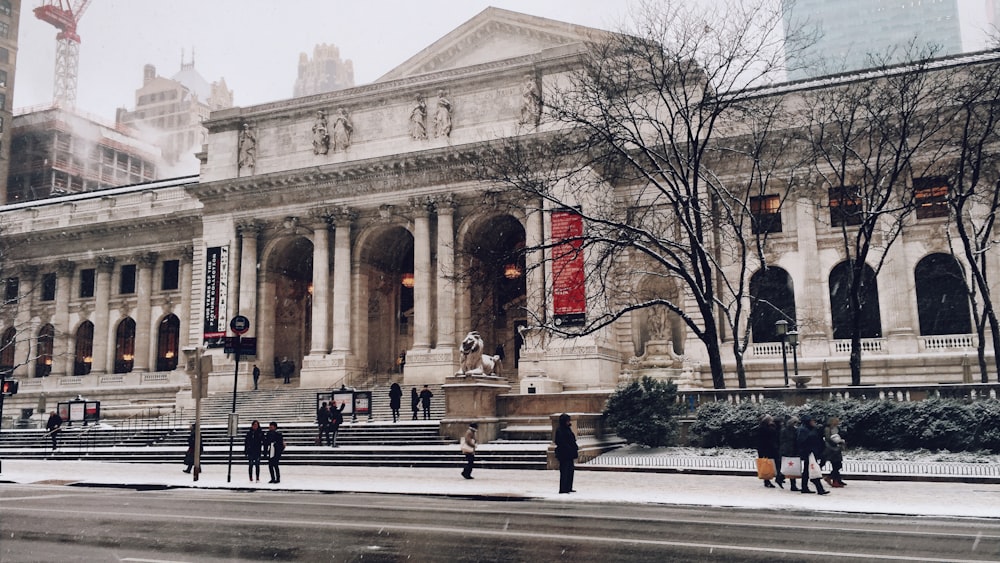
[{"x": 342, "y": 225}]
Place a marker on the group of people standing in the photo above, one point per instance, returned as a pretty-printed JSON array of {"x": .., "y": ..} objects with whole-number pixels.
[
  {"x": 269, "y": 445},
  {"x": 799, "y": 448},
  {"x": 329, "y": 419}
]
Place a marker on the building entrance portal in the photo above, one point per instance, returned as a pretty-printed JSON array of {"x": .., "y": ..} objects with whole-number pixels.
[
  {"x": 290, "y": 271},
  {"x": 387, "y": 267},
  {"x": 496, "y": 281}
]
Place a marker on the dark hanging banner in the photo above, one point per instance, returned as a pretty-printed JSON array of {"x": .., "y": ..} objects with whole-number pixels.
[
  {"x": 569, "y": 291},
  {"x": 216, "y": 295}
]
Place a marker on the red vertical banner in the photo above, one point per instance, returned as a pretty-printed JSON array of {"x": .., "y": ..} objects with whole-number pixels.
[{"x": 569, "y": 290}]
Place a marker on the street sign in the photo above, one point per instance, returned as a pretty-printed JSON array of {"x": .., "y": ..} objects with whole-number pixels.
[{"x": 239, "y": 324}]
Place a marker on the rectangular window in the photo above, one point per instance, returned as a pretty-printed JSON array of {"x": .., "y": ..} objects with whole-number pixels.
[
  {"x": 4, "y": 29},
  {"x": 11, "y": 289},
  {"x": 3, "y": 78},
  {"x": 766, "y": 214},
  {"x": 126, "y": 284},
  {"x": 931, "y": 196},
  {"x": 845, "y": 206},
  {"x": 4, "y": 55},
  {"x": 171, "y": 275},
  {"x": 49, "y": 287},
  {"x": 87, "y": 283},
  {"x": 3, "y": 102}
]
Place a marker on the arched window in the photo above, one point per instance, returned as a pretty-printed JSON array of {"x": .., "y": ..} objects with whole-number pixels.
[
  {"x": 125, "y": 346},
  {"x": 84, "y": 355},
  {"x": 772, "y": 298},
  {"x": 870, "y": 320},
  {"x": 43, "y": 359},
  {"x": 166, "y": 348},
  {"x": 942, "y": 298},
  {"x": 7, "y": 349}
]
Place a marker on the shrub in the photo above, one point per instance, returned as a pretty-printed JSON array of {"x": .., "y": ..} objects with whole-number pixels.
[
  {"x": 934, "y": 424},
  {"x": 643, "y": 412}
]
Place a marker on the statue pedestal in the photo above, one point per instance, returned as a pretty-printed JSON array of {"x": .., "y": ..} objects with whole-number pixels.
[
  {"x": 660, "y": 354},
  {"x": 534, "y": 384},
  {"x": 472, "y": 399}
]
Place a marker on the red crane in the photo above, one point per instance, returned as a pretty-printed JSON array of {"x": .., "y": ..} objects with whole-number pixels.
[{"x": 64, "y": 15}]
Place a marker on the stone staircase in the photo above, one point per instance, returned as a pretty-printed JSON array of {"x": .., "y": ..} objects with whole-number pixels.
[{"x": 375, "y": 442}]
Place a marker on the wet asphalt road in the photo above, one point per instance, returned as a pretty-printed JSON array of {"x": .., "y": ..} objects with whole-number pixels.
[{"x": 62, "y": 523}]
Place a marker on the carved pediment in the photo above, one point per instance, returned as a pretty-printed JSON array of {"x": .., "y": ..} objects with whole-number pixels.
[{"x": 493, "y": 35}]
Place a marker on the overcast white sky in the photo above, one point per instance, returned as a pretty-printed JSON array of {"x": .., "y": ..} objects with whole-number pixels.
[{"x": 253, "y": 44}]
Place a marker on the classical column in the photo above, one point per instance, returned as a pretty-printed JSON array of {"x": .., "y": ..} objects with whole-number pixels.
[
  {"x": 342, "y": 282},
  {"x": 143, "y": 341},
  {"x": 421, "y": 277},
  {"x": 27, "y": 331},
  {"x": 321, "y": 289},
  {"x": 534, "y": 272},
  {"x": 247, "y": 306},
  {"x": 445, "y": 275},
  {"x": 897, "y": 307},
  {"x": 187, "y": 258},
  {"x": 62, "y": 351},
  {"x": 105, "y": 265}
]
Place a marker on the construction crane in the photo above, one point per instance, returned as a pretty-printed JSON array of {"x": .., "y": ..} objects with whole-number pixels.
[{"x": 65, "y": 16}]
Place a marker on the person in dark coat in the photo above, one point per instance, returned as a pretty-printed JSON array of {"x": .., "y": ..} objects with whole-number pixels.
[
  {"x": 189, "y": 454},
  {"x": 808, "y": 440},
  {"x": 469, "y": 449},
  {"x": 256, "y": 376},
  {"x": 767, "y": 447},
  {"x": 323, "y": 418},
  {"x": 834, "y": 451},
  {"x": 395, "y": 400},
  {"x": 414, "y": 402},
  {"x": 566, "y": 452},
  {"x": 786, "y": 444},
  {"x": 253, "y": 444},
  {"x": 54, "y": 426},
  {"x": 336, "y": 419},
  {"x": 274, "y": 446},
  {"x": 425, "y": 401}
]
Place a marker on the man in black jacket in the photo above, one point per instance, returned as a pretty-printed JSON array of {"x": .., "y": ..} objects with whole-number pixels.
[
  {"x": 54, "y": 425},
  {"x": 274, "y": 446},
  {"x": 808, "y": 440},
  {"x": 566, "y": 452}
]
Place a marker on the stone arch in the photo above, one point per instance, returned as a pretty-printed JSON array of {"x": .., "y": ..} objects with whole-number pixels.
[
  {"x": 168, "y": 335},
  {"x": 125, "y": 346},
  {"x": 772, "y": 298},
  {"x": 490, "y": 266},
  {"x": 285, "y": 303},
  {"x": 657, "y": 323},
  {"x": 7, "y": 343},
  {"x": 43, "y": 354},
  {"x": 942, "y": 296},
  {"x": 384, "y": 260},
  {"x": 840, "y": 315},
  {"x": 83, "y": 348}
]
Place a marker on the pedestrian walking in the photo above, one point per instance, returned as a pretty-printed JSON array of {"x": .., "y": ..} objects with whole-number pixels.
[
  {"x": 414, "y": 402},
  {"x": 767, "y": 448},
  {"x": 54, "y": 426},
  {"x": 323, "y": 417},
  {"x": 189, "y": 460},
  {"x": 469, "y": 449},
  {"x": 336, "y": 419},
  {"x": 274, "y": 445},
  {"x": 256, "y": 376},
  {"x": 809, "y": 443},
  {"x": 566, "y": 452},
  {"x": 789, "y": 452},
  {"x": 833, "y": 451},
  {"x": 425, "y": 401},
  {"x": 253, "y": 445},
  {"x": 395, "y": 400}
]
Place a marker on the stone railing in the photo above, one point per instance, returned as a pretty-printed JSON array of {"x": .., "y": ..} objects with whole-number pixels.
[
  {"x": 948, "y": 342},
  {"x": 764, "y": 349},
  {"x": 795, "y": 396},
  {"x": 867, "y": 345}
]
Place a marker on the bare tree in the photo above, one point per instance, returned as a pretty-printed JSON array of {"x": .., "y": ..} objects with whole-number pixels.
[
  {"x": 974, "y": 194},
  {"x": 658, "y": 144},
  {"x": 871, "y": 135}
]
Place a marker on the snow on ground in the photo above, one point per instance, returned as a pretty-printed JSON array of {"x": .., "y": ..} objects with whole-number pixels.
[{"x": 851, "y": 453}]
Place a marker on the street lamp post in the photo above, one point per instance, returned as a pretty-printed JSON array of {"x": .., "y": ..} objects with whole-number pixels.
[
  {"x": 793, "y": 340},
  {"x": 781, "y": 328}
]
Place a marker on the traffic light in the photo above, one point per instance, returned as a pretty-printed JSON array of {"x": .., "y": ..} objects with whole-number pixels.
[{"x": 9, "y": 387}]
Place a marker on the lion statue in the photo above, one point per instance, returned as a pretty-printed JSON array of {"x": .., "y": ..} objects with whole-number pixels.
[{"x": 474, "y": 362}]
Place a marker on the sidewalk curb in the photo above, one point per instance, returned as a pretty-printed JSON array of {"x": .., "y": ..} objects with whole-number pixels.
[{"x": 744, "y": 473}]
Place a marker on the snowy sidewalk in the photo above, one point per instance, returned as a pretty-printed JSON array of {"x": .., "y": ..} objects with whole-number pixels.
[{"x": 884, "y": 497}]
